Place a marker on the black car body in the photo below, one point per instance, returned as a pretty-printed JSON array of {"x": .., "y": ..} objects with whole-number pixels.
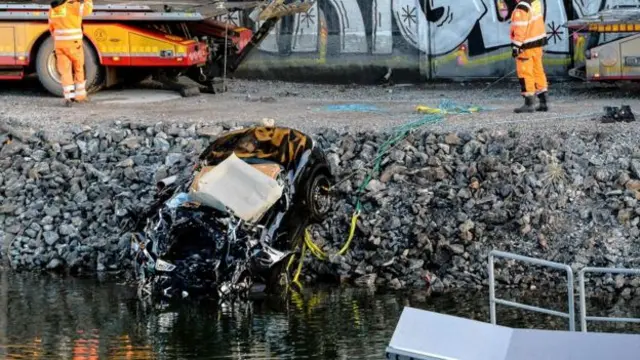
[{"x": 182, "y": 247}]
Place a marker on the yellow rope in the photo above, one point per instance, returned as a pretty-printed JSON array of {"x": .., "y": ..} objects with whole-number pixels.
[
  {"x": 318, "y": 252},
  {"x": 352, "y": 232},
  {"x": 313, "y": 248},
  {"x": 430, "y": 110},
  {"x": 290, "y": 262},
  {"x": 299, "y": 269}
]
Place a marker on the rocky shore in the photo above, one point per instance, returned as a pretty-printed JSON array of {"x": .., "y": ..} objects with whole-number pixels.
[{"x": 441, "y": 202}]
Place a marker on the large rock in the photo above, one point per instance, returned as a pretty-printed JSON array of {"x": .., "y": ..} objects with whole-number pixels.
[{"x": 50, "y": 237}]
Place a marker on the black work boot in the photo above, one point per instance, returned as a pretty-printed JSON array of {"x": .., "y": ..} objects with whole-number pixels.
[
  {"x": 527, "y": 107},
  {"x": 543, "y": 97}
]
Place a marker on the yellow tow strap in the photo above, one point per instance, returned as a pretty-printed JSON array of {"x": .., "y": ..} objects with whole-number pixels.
[
  {"x": 316, "y": 251},
  {"x": 429, "y": 110},
  {"x": 296, "y": 276},
  {"x": 319, "y": 253},
  {"x": 352, "y": 231}
]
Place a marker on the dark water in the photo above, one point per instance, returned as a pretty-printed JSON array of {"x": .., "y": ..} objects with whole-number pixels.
[{"x": 43, "y": 317}]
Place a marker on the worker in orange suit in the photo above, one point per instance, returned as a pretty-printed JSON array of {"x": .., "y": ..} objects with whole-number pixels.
[
  {"x": 528, "y": 37},
  {"x": 65, "y": 25}
]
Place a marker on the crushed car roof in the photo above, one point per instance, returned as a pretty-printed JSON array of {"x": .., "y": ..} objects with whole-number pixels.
[{"x": 279, "y": 144}]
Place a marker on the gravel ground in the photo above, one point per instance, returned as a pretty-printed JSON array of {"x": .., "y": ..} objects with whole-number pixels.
[{"x": 574, "y": 105}]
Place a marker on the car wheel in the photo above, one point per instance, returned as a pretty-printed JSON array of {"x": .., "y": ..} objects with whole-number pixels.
[{"x": 318, "y": 197}]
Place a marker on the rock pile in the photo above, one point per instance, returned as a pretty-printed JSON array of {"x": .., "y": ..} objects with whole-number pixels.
[
  {"x": 440, "y": 203},
  {"x": 63, "y": 200}
]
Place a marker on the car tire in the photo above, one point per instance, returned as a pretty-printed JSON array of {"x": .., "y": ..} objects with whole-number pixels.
[
  {"x": 317, "y": 197},
  {"x": 49, "y": 77}
]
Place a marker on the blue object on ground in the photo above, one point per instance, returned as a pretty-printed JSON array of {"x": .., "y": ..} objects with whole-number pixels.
[{"x": 352, "y": 107}]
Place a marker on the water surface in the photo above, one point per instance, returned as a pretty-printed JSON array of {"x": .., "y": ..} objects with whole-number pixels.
[{"x": 45, "y": 317}]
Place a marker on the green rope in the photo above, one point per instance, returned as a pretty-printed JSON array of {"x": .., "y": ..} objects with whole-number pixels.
[{"x": 400, "y": 132}]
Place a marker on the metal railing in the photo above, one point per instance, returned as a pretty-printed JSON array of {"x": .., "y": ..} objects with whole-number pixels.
[
  {"x": 492, "y": 288},
  {"x": 583, "y": 302}
]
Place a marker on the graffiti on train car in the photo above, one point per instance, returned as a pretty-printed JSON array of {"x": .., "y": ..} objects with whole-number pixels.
[{"x": 464, "y": 38}]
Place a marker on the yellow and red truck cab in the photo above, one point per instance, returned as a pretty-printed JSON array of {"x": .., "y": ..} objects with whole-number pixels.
[{"x": 123, "y": 41}]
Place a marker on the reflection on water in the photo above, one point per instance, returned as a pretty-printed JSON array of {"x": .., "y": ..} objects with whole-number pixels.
[{"x": 51, "y": 318}]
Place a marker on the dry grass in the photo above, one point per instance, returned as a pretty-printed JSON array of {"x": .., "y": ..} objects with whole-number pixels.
[{"x": 554, "y": 174}]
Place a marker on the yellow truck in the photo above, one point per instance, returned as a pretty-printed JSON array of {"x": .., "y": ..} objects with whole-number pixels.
[
  {"x": 607, "y": 45},
  {"x": 132, "y": 42}
]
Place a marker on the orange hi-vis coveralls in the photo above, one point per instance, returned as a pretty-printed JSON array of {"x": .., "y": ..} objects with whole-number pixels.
[
  {"x": 65, "y": 25},
  {"x": 528, "y": 36}
]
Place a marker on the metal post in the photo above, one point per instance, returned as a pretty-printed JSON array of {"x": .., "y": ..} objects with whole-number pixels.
[
  {"x": 571, "y": 299},
  {"x": 492, "y": 291},
  {"x": 4, "y": 312},
  {"x": 583, "y": 304}
]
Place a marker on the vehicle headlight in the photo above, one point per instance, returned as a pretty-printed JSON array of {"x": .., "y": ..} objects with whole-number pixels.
[
  {"x": 608, "y": 56},
  {"x": 164, "y": 266}
]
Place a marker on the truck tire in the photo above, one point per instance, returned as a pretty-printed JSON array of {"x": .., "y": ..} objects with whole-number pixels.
[{"x": 49, "y": 77}]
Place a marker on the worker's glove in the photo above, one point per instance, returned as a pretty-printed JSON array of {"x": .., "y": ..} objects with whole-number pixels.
[{"x": 515, "y": 51}]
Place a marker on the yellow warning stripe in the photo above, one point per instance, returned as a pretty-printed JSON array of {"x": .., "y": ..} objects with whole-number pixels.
[{"x": 614, "y": 27}]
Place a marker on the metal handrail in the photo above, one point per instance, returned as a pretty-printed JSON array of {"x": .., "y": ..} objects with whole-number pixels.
[
  {"x": 492, "y": 287},
  {"x": 583, "y": 301}
]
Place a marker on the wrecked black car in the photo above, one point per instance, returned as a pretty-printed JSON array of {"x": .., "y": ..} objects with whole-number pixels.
[{"x": 228, "y": 228}]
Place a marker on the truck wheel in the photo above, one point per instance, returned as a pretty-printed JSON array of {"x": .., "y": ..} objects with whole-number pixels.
[{"x": 49, "y": 77}]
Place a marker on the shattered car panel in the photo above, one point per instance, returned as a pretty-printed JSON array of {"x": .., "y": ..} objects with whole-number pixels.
[{"x": 225, "y": 228}]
